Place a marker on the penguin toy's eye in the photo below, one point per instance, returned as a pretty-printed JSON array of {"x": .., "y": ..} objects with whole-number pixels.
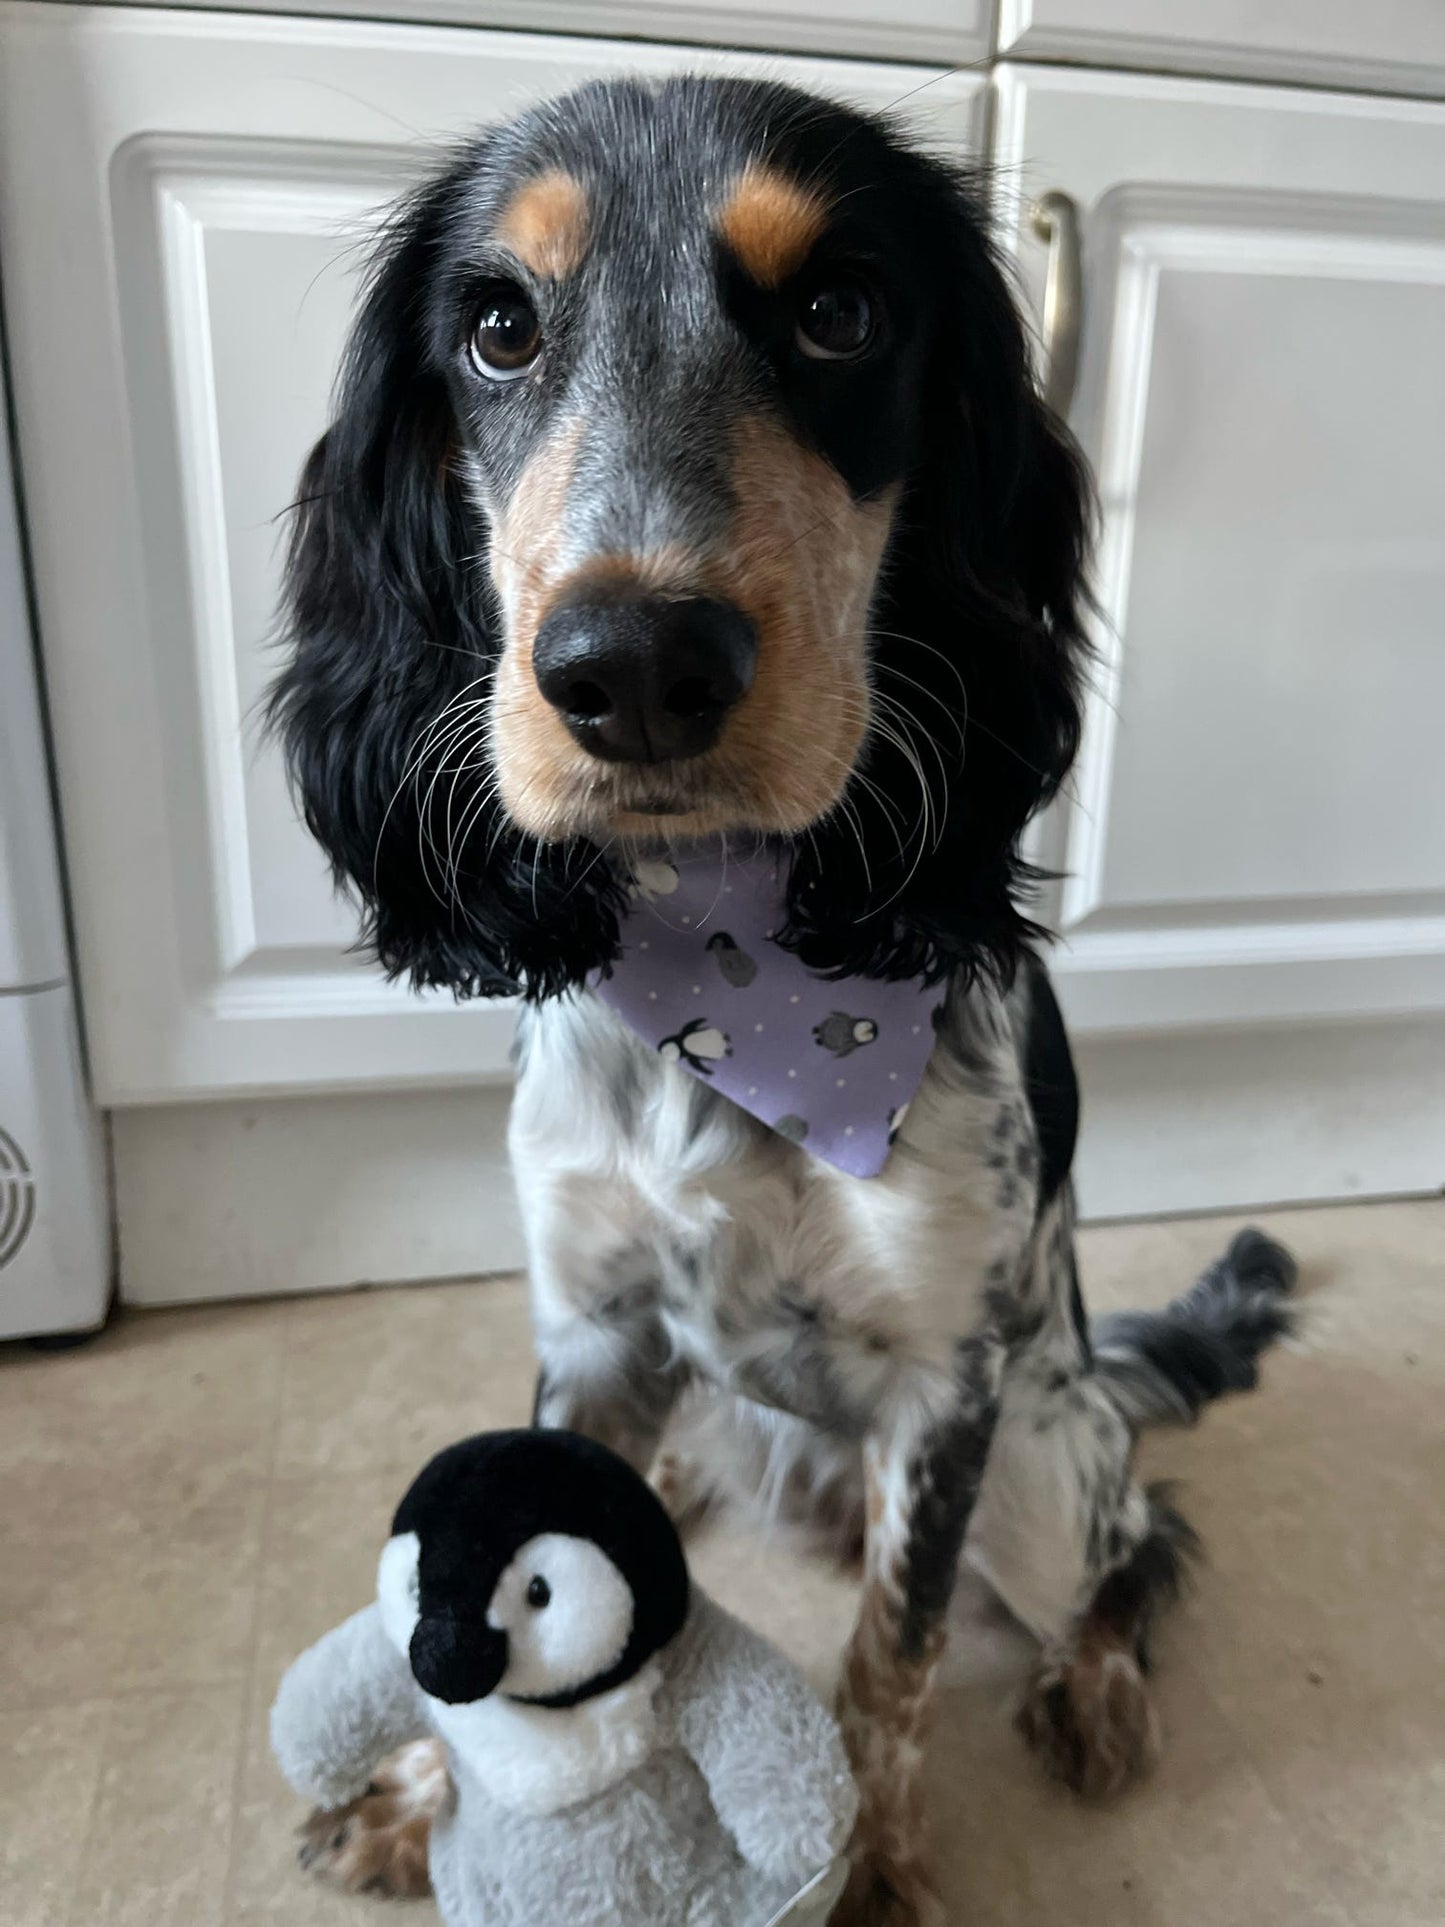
[{"x": 567, "y": 1614}]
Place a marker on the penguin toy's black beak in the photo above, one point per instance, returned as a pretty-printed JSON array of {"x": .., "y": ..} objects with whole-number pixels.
[{"x": 455, "y": 1659}]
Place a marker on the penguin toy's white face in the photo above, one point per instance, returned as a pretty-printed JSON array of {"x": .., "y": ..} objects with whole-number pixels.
[
  {"x": 553, "y": 1729},
  {"x": 567, "y": 1614},
  {"x": 563, "y": 1608}
]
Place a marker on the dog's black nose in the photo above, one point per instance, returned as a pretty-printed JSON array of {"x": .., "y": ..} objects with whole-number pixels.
[{"x": 647, "y": 679}]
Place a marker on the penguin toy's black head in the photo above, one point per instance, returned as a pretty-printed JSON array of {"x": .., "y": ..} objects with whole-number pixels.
[{"x": 534, "y": 1565}]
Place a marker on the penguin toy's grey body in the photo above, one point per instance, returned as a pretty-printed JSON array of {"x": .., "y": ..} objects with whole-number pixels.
[{"x": 621, "y": 1750}]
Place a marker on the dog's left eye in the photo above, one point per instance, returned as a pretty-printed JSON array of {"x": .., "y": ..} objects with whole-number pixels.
[
  {"x": 836, "y": 321},
  {"x": 508, "y": 336}
]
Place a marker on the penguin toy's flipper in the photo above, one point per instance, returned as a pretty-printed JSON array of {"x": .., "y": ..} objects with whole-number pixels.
[
  {"x": 770, "y": 1752},
  {"x": 344, "y": 1703}
]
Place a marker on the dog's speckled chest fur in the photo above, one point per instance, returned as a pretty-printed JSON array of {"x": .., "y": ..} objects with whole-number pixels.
[{"x": 658, "y": 1210}]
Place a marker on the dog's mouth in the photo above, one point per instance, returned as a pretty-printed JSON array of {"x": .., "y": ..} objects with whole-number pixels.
[
  {"x": 688, "y": 816},
  {"x": 662, "y": 806},
  {"x": 687, "y": 809}
]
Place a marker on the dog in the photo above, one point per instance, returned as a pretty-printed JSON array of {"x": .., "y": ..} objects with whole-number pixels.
[{"x": 687, "y": 486}]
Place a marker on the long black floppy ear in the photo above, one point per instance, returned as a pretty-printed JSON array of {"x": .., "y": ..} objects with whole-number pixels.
[
  {"x": 381, "y": 704},
  {"x": 979, "y": 647}
]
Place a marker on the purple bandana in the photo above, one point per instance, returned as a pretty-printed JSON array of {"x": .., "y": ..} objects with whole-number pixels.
[{"x": 830, "y": 1064}]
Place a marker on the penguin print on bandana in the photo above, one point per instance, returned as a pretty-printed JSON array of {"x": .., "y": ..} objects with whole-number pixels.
[
  {"x": 705, "y": 976},
  {"x": 654, "y": 879},
  {"x": 699, "y": 1044},
  {"x": 842, "y": 1034},
  {"x": 737, "y": 967}
]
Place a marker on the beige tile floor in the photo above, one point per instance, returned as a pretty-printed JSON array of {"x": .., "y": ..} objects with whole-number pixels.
[{"x": 192, "y": 1498}]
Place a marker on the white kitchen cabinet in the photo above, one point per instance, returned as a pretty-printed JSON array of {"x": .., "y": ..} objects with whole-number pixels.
[
  {"x": 183, "y": 198},
  {"x": 1254, "y": 911},
  {"x": 1389, "y": 46},
  {"x": 1256, "y": 829}
]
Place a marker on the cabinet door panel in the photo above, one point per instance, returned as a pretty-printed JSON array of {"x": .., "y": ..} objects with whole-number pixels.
[
  {"x": 1282, "y": 595},
  {"x": 1255, "y": 828},
  {"x": 184, "y": 197},
  {"x": 1395, "y": 46}
]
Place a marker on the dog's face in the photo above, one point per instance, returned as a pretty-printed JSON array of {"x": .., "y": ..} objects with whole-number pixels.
[
  {"x": 697, "y": 417},
  {"x": 685, "y": 374}
]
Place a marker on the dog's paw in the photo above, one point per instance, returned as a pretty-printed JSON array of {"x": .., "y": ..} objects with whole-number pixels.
[
  {"x": 380, "y": 1843},
  {"x": 879, "y": 1895},
  {"x": 683, "y": 1486},
  {"x": 1090, "y": 1721}
]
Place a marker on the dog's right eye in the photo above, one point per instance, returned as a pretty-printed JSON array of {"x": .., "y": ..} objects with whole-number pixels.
[
  {"x": 507, "y": 338},
  {"x": 836, "y": 321}
]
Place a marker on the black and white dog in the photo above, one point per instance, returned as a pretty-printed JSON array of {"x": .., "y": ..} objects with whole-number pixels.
[{"x": 687, "y": 482}]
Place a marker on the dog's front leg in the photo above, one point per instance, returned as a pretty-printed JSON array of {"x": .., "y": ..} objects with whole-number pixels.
[
  {"x": 609, "y": 1373},
  {"x": 626, "y": 1413},
  {"x": 923, "y": 1478},
  {"x": 607, "y": 1367}
]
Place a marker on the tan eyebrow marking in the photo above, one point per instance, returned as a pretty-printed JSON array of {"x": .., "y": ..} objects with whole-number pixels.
[
  {"x": 771, "y": 223},
  {"x": 546, "y": 224}
]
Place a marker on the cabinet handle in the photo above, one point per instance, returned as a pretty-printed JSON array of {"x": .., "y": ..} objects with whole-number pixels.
[{"x": 1054, "y": 218}]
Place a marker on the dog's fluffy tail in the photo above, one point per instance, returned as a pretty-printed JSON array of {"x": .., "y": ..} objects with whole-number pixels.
[{"x": 1164, "y": 1367}]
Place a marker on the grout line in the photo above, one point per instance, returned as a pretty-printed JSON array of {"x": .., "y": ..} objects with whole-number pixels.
[
  {"x": 119, "y": 1695},
  {"x": 248, "y": 1697},
  {"x": 87, "y": 1836}
]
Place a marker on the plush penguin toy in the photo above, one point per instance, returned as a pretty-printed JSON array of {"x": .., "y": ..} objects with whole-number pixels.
[{"x": 621, "y": 1750}]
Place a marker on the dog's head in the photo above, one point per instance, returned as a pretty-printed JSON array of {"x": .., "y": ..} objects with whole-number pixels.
[{"x": 686, "y": 478}]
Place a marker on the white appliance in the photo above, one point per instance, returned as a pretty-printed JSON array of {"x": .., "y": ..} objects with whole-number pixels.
[{"x": 54, "y": 1232}]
